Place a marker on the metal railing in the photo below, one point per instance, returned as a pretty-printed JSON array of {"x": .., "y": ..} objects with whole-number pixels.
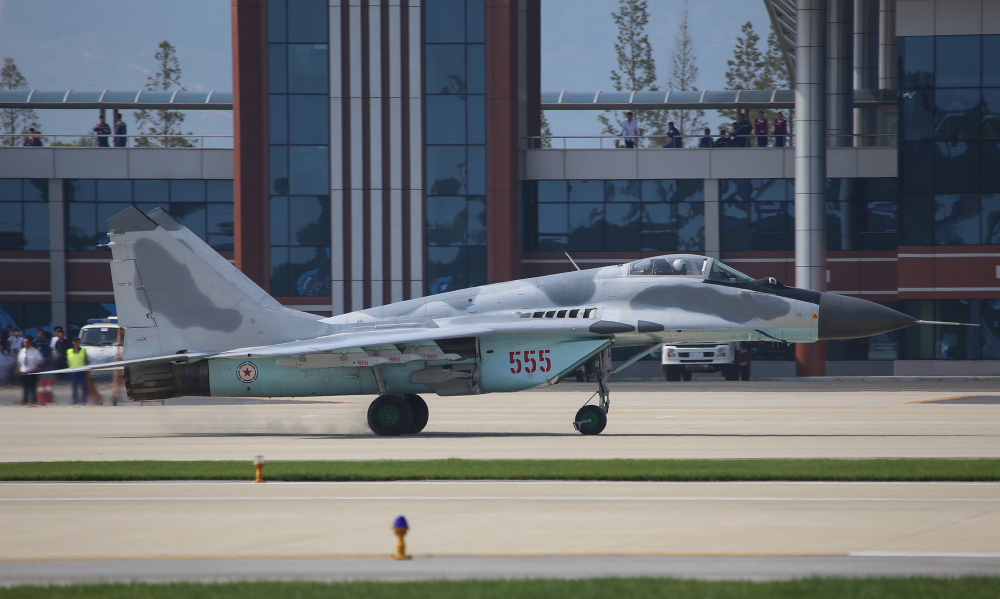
[
  {"x": 78, "y": 140},
  {"x": 653, "y": 142}
]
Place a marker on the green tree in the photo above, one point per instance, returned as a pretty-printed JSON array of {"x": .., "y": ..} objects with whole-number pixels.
[
  {"x": 545, "y": 133},
  {"x": 636, "y": 68},
  {"x": 752, "y": 69},
  {"x": 15, "y": 121},
  {"x": 161, "y": 122},
  {"x": 684, "y": 76}
]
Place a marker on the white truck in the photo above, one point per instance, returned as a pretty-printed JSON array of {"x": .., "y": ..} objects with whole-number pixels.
[
  {"x": 100, "y": 338},
  {"x": 683, "y": 359}
]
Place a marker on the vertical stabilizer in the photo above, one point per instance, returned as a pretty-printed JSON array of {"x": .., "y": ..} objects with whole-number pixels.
[{"x": 175, "y": 293}]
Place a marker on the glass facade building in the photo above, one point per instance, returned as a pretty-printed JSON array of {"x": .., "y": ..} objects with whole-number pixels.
[
  {"x": 455, "y": 151},
  {"x": 24, "y": 214},
  {"x": 298, "y": 76}
]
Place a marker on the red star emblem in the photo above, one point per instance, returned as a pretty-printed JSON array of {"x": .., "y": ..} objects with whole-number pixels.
[{"x": 247, "y": 372}]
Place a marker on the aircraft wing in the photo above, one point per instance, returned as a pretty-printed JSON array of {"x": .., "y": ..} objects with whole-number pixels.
[{"x": 185, "y": 357}]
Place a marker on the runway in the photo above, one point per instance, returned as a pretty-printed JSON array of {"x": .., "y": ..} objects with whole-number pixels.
[{"x": 62, "y": 532}]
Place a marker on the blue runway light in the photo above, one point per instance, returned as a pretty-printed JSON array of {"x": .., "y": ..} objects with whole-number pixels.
[{"x": 400, "y": 522}]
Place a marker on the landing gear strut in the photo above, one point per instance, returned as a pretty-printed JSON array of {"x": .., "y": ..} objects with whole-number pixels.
[{"x": 591, "y": 419}]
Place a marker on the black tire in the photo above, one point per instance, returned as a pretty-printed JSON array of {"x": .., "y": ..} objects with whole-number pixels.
[
  {"x": 673, "y": 373},
  {"x": 731, "y": 372},
  {"x": 420, "y": 413},
  {"x": 590, "y": 420},
  {"x": 745, "y": 372},
  {"x": 389, "y": 416},
  {"x": 686, "y": 375}
]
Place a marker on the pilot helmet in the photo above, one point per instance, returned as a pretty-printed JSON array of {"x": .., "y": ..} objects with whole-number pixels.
[{"x": 679, "y": 265}]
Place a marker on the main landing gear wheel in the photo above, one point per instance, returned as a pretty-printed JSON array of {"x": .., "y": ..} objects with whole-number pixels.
[
  {"x": 590, "y": 420},
  {"x": 420, "y": 413},
  {"x": 389, "y": 415}
]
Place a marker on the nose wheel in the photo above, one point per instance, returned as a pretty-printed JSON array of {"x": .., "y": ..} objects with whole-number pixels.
[{"x": 591, "y": 419}]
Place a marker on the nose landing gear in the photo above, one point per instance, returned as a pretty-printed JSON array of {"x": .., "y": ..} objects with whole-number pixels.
[{"x": 591, "y": 419}]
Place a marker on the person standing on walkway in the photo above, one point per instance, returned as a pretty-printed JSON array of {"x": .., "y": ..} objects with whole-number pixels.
[
  {"x": 28, "y": 362},
  {"x": 630, "y": 130},
  {"x": 760, "y": 129},
  {"x": 76, "y": 357},
  {"x": 780, "y": 130},
  {"x": 103, "y": 131},
  {"x": 121, "y": 130}
]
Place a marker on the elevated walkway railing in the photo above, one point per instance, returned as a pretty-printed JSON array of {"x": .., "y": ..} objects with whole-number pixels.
[
  {"x": 655, "y": 142},
  {"x": 138, "y": 141}
]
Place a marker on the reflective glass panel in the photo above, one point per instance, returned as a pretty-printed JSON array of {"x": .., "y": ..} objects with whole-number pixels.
[
  {"x": 276, "y": 24},
  {"x": 277, "y": 120},
  {"x": 307, "y": 21},
  {"x": 79, "y": 190},
  {"x": 81, "y": 226},
  {"x": 444, "y": 21},
  {"x": 956, "y": 167},
  {"x": 622, "y": 227},
  {"x": 477, "y": 220},
  {"x": 552, "y": 191},
  {"x": 308, "y": 170},
  {"x": 446, "y": 220},
  {"x": 735, "y": 225},
  {"x": 586, "y": 226},
  {"x": 445, "y": 69},
  {"x": 10, "y": 190},
  {"x": 991, "y": 66},
  {"x": 35, "y": 190},
  {"x": 280, "y": 272},
  {"x": 769, "y": 217},
  {"x": 36, "y": 227},
  {"x": 622, "y": 191},
  {"x": 991, "y": 113},
  {"x": 446, "y": 170},
  {"x": 916, "y": 166},
  {"x": 219, "y": 222},
  {"x": 186, "y": 191},
  {"x": 277, "y": 168},
  {"x": 307, "y": 68},
  {"x": 664, "y": 190},
  {"x": 279, "y": 220},
  {"x": 277, "y": 68},
  {"x": 476, "y": 118},
  {"x": 552, "y": 219},
  {"x": 447, "y": 269},
  {"x": 917, "y": 219},
  {"x": 114, "y": 190},
  {"x": 191, "y": 215},
  {"x": 916, "y": 57},
  {"x": 477, "y": 170},
  {"x": 956, "y": 219},
  {"x": 476, "y": 68},
  {"x": 308, "y": 119},
  {"x": 585, "y": 190},
  {"x": 991, "y": 218},
  {"x": 659, "y": 218},
  {"x": 445, "y": 119},
  {"x": 917, "y": 109},
  {"x": 219, "y": 190},
  {"x": 309, "y": 220},
  {"x": 956, "y": 114},
  {"x": 154, "y": 191},
  {"x": 882, "y": 217},
  {"x": 475, "y": 18},
  {"x": 957, "y": 61}
]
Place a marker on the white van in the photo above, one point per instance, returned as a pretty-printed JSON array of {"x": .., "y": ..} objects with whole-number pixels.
[{"x": 100, "y": 338}]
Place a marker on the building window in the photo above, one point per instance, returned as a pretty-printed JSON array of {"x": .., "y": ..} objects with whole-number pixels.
[{"x": 24, "y": 214}]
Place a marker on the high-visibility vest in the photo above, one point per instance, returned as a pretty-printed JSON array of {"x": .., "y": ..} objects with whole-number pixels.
[{"x": 76, "y": 359}]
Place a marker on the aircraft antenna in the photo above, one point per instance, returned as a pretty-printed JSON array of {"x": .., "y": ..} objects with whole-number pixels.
[
  {"x": 956, "y": 324},
  {"x": 573, "y": 262}
]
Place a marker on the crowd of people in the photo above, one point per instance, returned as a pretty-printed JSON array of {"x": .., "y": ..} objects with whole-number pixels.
[
  {"x": 22, "y": 357},
  {"x": 744, "y": 134},
  {"x": 101, "y": 130}
]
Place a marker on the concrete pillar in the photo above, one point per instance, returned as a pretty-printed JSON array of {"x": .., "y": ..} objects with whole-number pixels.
[
  {"x": 57, "y": 253},
  {"x": 810, "y": 165},
  {"x": 840, "y": 65},
  {"x": 865, "y": 67},
  {"x": 887, "y": 65}
]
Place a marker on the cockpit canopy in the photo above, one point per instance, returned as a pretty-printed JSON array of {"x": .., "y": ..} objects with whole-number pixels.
[{"x": 688, "y": 265}]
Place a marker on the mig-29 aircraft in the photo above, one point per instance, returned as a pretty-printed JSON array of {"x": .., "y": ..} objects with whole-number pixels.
[{"x": 195, "y": 325}]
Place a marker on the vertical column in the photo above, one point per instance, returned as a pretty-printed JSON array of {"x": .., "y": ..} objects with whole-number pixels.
[
  {"x": 502, "y": 44},
  {"x": 840, "y": 89},
  {"x": 713, "y": 235},
  {"x": 887, "y": 65},
  {"x": 865, "y": 67},
  {"x": 57, "y": 252},
  {"x": 413, "y": 147},
  {"x": 250, "y": 168},
  {"x": 339, "y": 173},
  {"x": 810, "y": 166}
]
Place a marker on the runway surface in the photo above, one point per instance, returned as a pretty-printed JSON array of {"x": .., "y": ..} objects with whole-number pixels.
[{"x": 60, "y": 532}]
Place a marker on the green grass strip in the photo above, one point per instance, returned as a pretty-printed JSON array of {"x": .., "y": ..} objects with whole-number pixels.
[
  {"x": 455, "y": 469},
  {"x": 598, "y": 588}
]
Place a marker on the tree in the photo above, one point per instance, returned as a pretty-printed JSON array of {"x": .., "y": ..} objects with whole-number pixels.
[
  {"x": 636, "y": 68},
  {"x": 683, "y": 76},
  {"x": 15, "y": 121},
  {"x": 745, "y": 67},
  {"x": 161, "y": 122},
  {"x": 545, "y": 133}
]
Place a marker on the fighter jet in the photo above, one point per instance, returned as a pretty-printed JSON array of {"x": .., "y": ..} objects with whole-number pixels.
[{"x": 195, "y": 325}]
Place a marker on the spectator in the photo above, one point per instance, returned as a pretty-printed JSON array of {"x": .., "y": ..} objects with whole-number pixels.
[
  {"x": 724, "y": 140},
  {"x": 706, "y": 140},
  {"x": 630, "y": 130},
  {"x": 60, "y": 344},
  {"x": 120, "y": 131},
  {"x": 28, "y": 361},
  {"x": 32, "y": 139},
  {"x": 675, "y": 140},
  {"x": 103, "y": 131},
  {"x": 741, "y": 133},
  {"x": 760, "y": 128},
  {"x": 780, "y": 130},
  {"x": 15, "y": 341}
]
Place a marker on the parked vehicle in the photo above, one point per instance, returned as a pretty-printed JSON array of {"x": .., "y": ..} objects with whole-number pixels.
[
  {"x": 100, "y": 338},
  {"x": 683, "y": 359}
]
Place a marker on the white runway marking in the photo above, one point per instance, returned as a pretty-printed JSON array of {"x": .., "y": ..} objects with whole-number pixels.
[{"x": 510, "y": 498}]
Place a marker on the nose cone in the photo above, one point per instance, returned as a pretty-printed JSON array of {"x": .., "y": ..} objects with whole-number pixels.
[{"x": 842, "y": 317}]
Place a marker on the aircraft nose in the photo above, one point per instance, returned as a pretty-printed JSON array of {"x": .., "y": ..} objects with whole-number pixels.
[{"x": 842, "y": 317}]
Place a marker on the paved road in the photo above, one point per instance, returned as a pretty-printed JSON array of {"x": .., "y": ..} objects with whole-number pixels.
[{"x": 325, "y": 531}]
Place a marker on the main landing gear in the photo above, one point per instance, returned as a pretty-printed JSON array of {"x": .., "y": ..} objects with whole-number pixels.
[
  {"x": 591, "y": 419},
  {"x": 392, "y": 415}
]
